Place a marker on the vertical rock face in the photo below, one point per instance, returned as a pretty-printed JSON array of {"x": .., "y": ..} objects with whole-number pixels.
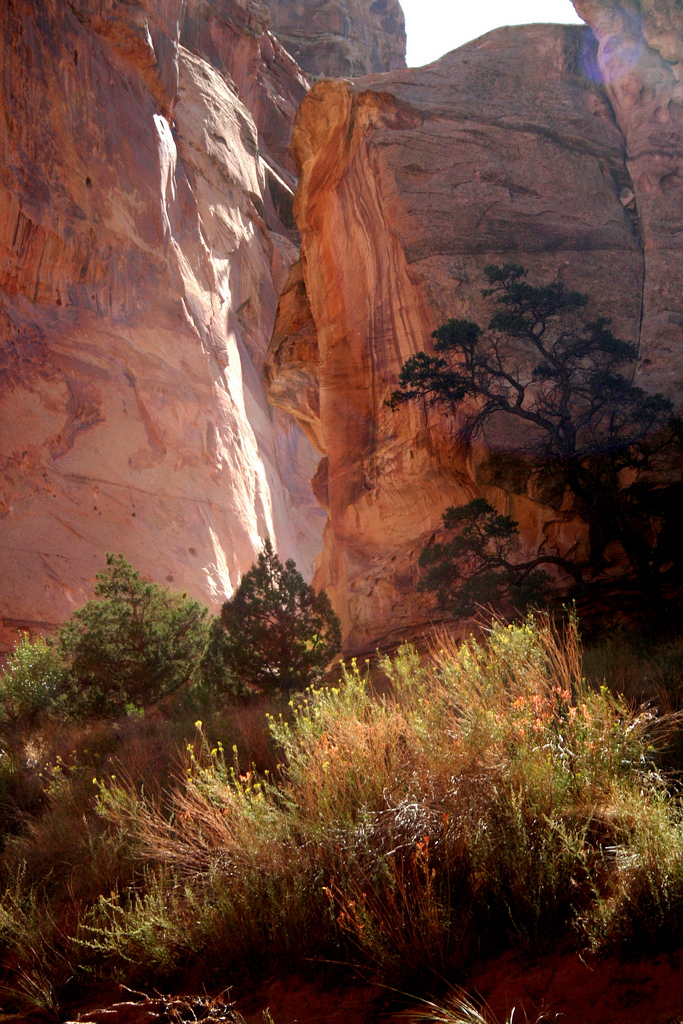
[
  {"x": 138, "y": 287},
  {"x": 233, "y": 36},
  {"x": 410, "y": 184},
  {"x": 342, "y": 38},
  {"x": 640, "y": 58}
]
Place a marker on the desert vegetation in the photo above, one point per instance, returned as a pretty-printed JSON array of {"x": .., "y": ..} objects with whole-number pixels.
[
  {"x": 275, "y": 634},
  {"x": 187, "y": 798},
  {"x": 492, "y": 798}
]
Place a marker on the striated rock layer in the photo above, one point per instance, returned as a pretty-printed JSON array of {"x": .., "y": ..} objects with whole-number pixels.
[
  {"x": 342, "y": 38},
  {"x": 144, "y": 190},
  {"x": 411, "y": 183}
]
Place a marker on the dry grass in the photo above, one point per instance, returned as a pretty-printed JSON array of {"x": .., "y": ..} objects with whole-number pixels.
[
  {"x": 59, "y": 854},
  {"x": 458, "y": 1008},
  {"x": 641, "y": 668},
  {"x": 487, "y": 800},
  {"x": 491, "y": 799}
]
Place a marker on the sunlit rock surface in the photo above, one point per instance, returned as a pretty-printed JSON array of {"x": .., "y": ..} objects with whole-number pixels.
[
  {"x": 143, "y": 188},
  {"x": 147, "y": 230}
]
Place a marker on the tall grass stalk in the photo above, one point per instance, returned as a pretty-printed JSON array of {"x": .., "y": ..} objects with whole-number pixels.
[{"x": 459, "y": 1009}]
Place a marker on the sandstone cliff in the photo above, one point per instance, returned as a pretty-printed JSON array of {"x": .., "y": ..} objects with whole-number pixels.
[
  {"x": 139, "y": 277},
  {"x": 146, "y": 193},
  {"x": 640, "y": 60},
  {"x": 342, "y": 38},
  {"x": 410, "y": 183}
]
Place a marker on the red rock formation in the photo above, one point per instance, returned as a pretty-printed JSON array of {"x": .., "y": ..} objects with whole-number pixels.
[
  {"x": 234, "y": 38},
  {"x": 342, "y": 38},
  {"x": 138, "y": 288},
  {"x": 411, "y": 183},
  {"x": 640, "y": 58},
  {"x": 145, "y": 233}
]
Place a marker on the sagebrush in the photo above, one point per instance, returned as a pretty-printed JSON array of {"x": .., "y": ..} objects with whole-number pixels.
[{"x": 491, "y": 800}]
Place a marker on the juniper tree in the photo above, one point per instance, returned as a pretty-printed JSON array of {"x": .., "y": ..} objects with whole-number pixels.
[
  {"x": 475, "y": 568},
  {"x": 555, "y": 387},
  {"x": 136, "y": 643},
  {"x": 278, "y": 633}
]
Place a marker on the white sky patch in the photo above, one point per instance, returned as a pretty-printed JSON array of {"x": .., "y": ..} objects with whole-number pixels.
[{"x": 436, "y": 26}]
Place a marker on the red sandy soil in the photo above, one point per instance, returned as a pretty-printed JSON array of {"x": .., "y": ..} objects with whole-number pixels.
[
  {"x": 562, "y": 989},
  {"x": 299, "y": 1002},
  {"x": 573, "y": 992}
]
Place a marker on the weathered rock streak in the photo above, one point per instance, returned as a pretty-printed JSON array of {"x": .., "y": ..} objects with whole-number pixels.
[{"x": 640, "y": 58}]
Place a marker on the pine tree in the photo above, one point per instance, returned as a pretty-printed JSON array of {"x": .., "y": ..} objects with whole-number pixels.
[{"x": 133, "y": 645}]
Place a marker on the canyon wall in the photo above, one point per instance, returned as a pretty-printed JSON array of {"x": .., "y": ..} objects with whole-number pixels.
[
  {"x": 342, "y": 38},
  {"x": 147, "y": 231},
  {"x": 145, "y": 234},
  {"x": 507, "y": 149},
  {"x": 640, "y": 60}
]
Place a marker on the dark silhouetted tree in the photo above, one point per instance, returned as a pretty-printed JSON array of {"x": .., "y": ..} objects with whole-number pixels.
[
  {"x": 279, "y": 634},
  {"x": 475, "y": 567},
  {"x": 549, "y": 385}
]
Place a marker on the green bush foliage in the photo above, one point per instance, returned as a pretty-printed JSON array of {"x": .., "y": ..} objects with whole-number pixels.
[
  {"x": 137, "y": 643},
  {"x": 216, "y": 678},
  {"x": 278, "y": 633},
  {"x": 32, "y": 683},
  {"x": 133, "y": 645}
]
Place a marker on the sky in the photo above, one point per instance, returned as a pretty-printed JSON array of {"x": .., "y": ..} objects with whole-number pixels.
[{"x": 436, "y": 26}]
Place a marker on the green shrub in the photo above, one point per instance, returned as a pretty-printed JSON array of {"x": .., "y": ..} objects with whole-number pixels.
[
  {"x": 32, "y": 682},
  {"x": 216, "y": 678},
  {"x": 135, "y": 645}
]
